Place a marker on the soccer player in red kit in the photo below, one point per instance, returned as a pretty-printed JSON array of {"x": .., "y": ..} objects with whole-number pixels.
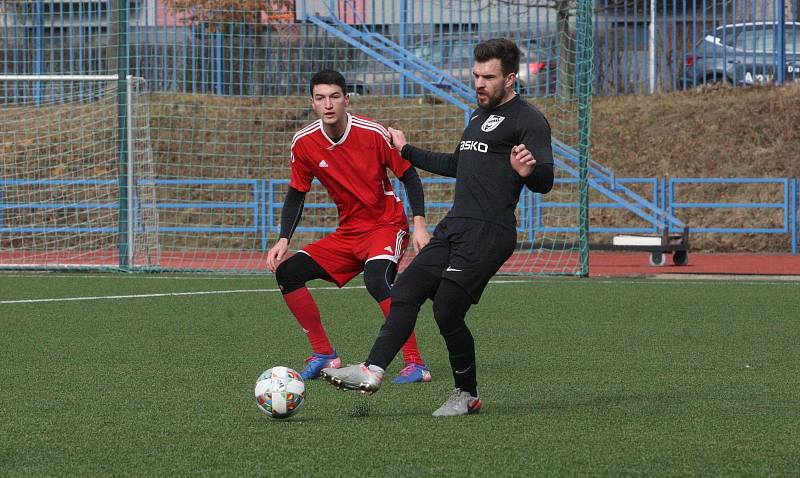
[{"x": 349, "y": 155}]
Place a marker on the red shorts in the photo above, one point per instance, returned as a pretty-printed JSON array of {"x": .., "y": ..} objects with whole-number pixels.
[{"x": 343, "y": 255}]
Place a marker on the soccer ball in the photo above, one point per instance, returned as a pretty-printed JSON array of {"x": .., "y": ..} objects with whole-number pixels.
[{"x": 280, "y": 392}]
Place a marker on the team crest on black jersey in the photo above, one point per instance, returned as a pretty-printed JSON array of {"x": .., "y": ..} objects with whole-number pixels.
[{"x": 491, "y": 123}]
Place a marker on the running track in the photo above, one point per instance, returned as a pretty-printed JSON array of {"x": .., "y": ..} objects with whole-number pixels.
[
  {"x": 601, "y": 264},
  {"x": 635, "y": 264}
]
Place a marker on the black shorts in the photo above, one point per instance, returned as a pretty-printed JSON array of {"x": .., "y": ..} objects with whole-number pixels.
[{"x": 468, "y": 252}]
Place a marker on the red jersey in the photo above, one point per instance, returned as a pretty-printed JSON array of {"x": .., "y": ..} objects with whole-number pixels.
[{"x": 353, "y": 170}]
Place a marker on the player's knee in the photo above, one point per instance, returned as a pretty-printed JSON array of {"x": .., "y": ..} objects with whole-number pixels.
[
  {"x": 378, "y": 278},
  {"x": 450, "y": 306},
  {"x": 414, "y": 286},
  {"x": 289, "y": 277},
  {"x": 449, "y": 319},
  {"x": 404, "y": 292},
  {"x": 377, "y": 287}
]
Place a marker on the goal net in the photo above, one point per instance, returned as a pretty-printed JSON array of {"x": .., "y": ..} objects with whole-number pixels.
[
  {"x": 227, "y": 90},
  {"x": 61, "y": 200}
]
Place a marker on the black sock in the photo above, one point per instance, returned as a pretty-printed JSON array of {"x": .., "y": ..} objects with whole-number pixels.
[
  {"x": 411, "y": 290},
  {"x": 450, "y": 306},
  {"x": 393, "y": 334},
  {"x": 463, "y": 362}
]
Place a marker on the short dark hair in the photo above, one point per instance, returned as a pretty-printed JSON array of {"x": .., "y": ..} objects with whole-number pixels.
[
  {"x": 501, "y": 49},
  {"x": 328, "y": 77}
]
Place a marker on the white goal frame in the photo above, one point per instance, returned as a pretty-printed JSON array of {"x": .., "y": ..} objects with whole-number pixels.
[{"x": 126, "y": 260}]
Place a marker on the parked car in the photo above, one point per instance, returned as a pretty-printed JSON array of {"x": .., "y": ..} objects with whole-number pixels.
[
  {"x": 454, "y": 58},
  {"x": 742, "y": 54}
]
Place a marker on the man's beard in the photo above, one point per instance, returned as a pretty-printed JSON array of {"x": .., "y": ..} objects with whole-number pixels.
[{"x": 492, "y": 100}]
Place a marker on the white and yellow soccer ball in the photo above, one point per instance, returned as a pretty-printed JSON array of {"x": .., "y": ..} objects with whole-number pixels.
[{"x": 280, "y": 392}]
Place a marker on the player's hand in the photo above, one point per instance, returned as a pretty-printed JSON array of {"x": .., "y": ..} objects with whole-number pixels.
[
  {"x": 522, "y": 160},
  {"x": 398, "y": 138},
  {"x": 421, "y": 236},
  {"x": 276, "y": 254}
]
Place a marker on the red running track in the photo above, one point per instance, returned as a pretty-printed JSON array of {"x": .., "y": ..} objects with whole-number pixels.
[
  {"x": 601, "y": 264},
  {"x": 634, "y": 264}
]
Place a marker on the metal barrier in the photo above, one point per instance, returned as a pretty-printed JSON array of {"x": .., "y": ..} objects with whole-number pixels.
[
  {"x": 267, "y": 201},
  {"x": 663, "y": 194},
  {"x": 788, "y": 205}
]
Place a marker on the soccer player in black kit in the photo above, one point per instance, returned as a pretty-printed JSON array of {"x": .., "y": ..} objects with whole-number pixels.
[{"x": 505, "y": 147}]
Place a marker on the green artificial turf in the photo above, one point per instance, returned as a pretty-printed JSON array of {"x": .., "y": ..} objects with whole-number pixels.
[{"x": 578, "y": 377}]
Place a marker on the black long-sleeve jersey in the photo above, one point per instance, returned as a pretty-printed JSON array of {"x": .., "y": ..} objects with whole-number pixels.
[{"x": 487, "y": 187}]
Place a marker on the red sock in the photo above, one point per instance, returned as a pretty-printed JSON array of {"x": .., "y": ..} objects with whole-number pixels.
[
  {"x": 305, "y": 310},
  {"x": 410, "y": 350}
]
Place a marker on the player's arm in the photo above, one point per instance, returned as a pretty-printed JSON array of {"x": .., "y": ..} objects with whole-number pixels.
[
  {"x": 290, "y": 218},
  {"x": 541, "y": 179},
  {"x": 416, "y": 198},
  {"x": 291, "y": 213},
  {"x": 533, "y": 157},
  {"x": 443, "y": 164}
]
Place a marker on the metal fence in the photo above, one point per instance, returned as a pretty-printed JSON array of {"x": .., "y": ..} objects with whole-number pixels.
[
  {"x": 262, "y": 210},
  {"x": 641, "y": 46}
]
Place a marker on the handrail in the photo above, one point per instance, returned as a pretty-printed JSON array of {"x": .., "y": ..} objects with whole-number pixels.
[
  {"x": 598, "y": 175},
  {"x": 399, "y": 60},
  {"x": 267, "y": 200}
]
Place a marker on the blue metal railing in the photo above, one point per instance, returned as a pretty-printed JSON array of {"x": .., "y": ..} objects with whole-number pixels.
[
  {"x": 111, "y": 204},
  {"x": 398, "y": 59},
  {"x": 263, "y": 210},
  {"x": 647, "y": 223},
  {"x": 603, "y": 180},
  {"x": 788, "y": 205},
  {"x": 251, "y": 206}
]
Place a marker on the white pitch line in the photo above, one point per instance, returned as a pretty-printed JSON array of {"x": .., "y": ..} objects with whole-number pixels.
[
  {"x": 135, "y": 296},
  {"x": 250, "y": 291},
  {"x": 179, "y": 294}
]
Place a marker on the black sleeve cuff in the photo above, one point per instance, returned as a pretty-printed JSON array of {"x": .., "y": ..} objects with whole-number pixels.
[
  {"x": 292, "y": 211},
  {"x": 414, "y": 191},
  {"x": 541, "y": 179}
]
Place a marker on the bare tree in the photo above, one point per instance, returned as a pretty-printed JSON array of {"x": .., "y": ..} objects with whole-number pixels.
[
  {"x": 246, "y": 18},
  {"x": 217, "y": 13}
]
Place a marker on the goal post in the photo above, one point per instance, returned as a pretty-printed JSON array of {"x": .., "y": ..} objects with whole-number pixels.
[
  {"x": 188, "y": 170},
  {"x": 76, "y": 191}
]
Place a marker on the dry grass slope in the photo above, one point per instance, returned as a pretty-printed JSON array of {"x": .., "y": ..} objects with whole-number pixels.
[{"x": 708, "y": 132}]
